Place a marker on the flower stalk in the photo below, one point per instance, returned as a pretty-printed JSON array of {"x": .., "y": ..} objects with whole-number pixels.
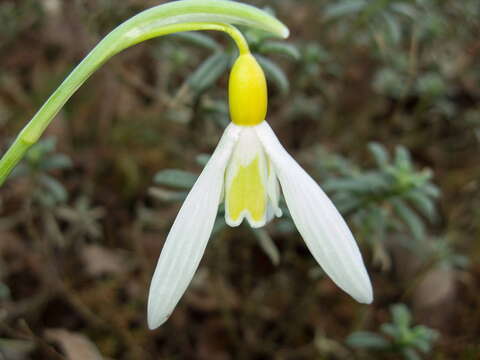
[{"x": 173, "y": 17}]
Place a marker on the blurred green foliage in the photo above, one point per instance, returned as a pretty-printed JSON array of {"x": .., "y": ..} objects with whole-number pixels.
[
  {"x": 358, "y": 77},
  {"x": 399, "y": 336},
  {"x": 39, "y": 161},
  {"x": 391, "y": 197}
]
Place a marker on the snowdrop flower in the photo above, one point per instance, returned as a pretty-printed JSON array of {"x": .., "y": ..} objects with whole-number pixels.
[{"x": 245, "y": 171}]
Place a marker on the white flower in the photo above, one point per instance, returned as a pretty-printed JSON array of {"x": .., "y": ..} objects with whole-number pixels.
[
  {"x": 247, "y": 150},
  {"x": 244, "y": 171}
]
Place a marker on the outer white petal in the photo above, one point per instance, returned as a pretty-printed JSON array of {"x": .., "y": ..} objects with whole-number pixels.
[
  {"x": 322, "y": 227},
  {"x": 189, "y": 235}
]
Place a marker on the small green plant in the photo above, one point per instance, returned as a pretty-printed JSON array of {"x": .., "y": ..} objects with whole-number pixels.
[
  {"x": 83, "y": 218},
  {"x": 394, "y": 196},
  {"x": 38, "y": 163},
  {"x": 444, "y": 254},
  {"x": 383, "y": 18},
  {"x": 399, "y": 336}
]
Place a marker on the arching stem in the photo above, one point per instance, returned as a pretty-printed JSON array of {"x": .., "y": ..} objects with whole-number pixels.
[
  {"x": 97, "y": 57},
  {"x": 177, "y": 16}
]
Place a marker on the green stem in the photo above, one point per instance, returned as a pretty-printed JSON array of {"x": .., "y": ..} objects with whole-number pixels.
[
  {"x": 11, "y": 158},
  {"x": 177, "y": 16}
]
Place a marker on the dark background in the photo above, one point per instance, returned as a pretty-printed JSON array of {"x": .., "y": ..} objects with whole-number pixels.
[{"x": 83, "y": 219}]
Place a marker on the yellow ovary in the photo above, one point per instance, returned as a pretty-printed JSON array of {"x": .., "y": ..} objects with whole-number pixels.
[
  {"x": 247, "y": 193},
  {"x": 247, "y": 92}
]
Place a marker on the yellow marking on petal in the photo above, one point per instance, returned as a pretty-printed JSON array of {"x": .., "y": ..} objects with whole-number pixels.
[
  {"x": 247, "y": 92},
  {"x": 247, "y": 193}
]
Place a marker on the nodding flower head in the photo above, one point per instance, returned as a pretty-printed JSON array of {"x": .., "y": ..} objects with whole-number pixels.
[{"x": 246, "y": 172}]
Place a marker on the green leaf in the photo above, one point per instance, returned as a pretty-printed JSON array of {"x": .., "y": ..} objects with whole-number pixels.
[
  {"x": 423, "y": 203},
  {"x": 460, "y": 261},
  {"x": 366, "y": 339},
  {"x": 45, "y": 146},
  {"x": 167, "y": 195},
  {"x": 374, "y": 8},
  {"x": 209, "y": 72},
  {"x": 390, "y": 330},
  {"x": 20, "y": 171},
  {"x": 379, "y": 153},
  {"x": 55, "y": 188},
  {"x": 274, "y": 74},
  {"x": 413, "y": 222},
  {"x": 402, "y": 158},
  {"x": 431, "y": 85},
  {"x": 424, "y": 333},
  {"x": 202, "y": 159},
  {"x": 405, "y": 9},
  {"x": 55, "y": 162},
  {"x": 285, "y": 225},
  {"x": 175, "y": 178},
  {"x": 367, "y": 183},
  {"x": 431, "y": 190},
  {"x": 343, "y": 8},
  {"x": 38, "y": 151},
  {"x": 276, "y": 47},
  {"x": 346, "y": 204},
  {"x": 423, "y": 344},
  {"x": 199, "y": 39},
  {"x": 390, "y": 82},
  {"x": 401, "y": 315},
  {"x": 394, "y": 28}
]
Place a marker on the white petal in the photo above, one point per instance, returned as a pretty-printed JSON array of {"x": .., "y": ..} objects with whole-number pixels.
[
  {"x": 322, "y": 227},
  {"x": 189, "y": 235}
]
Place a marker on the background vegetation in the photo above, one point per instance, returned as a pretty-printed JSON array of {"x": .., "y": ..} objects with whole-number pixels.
[{"x": 379, "y": 100}]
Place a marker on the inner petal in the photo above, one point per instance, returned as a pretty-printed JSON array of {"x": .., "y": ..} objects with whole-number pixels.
[{"x": 246, "y": 182}]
